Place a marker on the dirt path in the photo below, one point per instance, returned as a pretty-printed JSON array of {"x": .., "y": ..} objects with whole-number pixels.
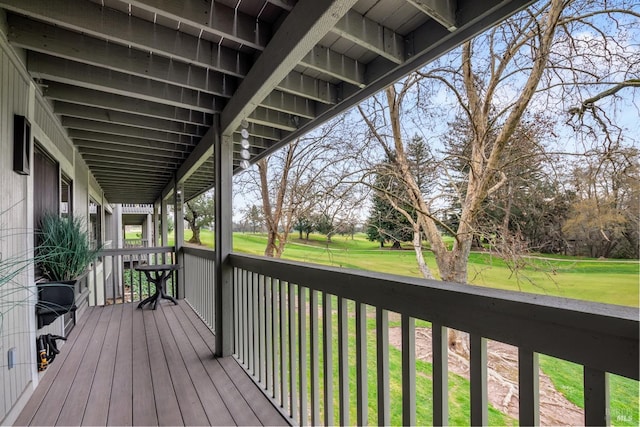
[{"x": 502, "y": 373}]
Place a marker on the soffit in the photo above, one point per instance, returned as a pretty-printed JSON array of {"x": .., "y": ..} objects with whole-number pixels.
[{"x": 137, "y": 83}]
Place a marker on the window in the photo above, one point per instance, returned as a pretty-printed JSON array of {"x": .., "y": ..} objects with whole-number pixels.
[
  {"x": 66, "y": 196},
  {"x": 45, "y": 186},
  {"x": 95, "y": 223}
]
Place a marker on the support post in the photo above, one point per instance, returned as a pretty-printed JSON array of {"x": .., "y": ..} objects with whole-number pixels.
[
  {"x": 164, "y": 236},
  {"x": 178, "y": 228},
  {"x": 223, "y": 159},
  {"x": 156, "y": 224}
]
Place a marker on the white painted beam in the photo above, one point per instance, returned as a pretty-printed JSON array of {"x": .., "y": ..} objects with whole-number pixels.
[
  {"x": 303, "y": 28},
  {"x": 443, "y": 11},
  {"x": 371, "y": 35},
  {"x": 69, "y": 110},
  {"x": 94, "y": 98}
]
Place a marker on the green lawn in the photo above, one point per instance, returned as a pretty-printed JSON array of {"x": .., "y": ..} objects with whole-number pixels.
[{"x": 606, "y": 281}]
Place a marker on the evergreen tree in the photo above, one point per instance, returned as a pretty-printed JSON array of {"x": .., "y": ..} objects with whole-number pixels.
[
  {"x": 304, "y": 224},
  {"x": 386, "y": 223}
]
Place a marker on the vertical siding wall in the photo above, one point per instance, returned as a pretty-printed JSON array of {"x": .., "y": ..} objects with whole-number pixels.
[
  {"x": 17, "y": 316},
  {"x": 14, "y": 239}
]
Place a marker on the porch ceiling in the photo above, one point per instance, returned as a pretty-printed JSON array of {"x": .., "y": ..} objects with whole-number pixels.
[{"x": 136, "y": 83}]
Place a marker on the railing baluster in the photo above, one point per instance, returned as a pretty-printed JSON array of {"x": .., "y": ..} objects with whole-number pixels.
[
  {"x": 343, "y": 361},
  {"x": 382, "y": 350},
  {"x": 240, "y": 312},
  {"x": 315, "y": 359},
  {"x": 327, "y": 344},
  {"x": 250, "y": 324},
  {"x": 528, "y": 388},
  {"x": 275, "y": 295},
  {"x": 113, "y": 279},
  {"x": 440, "y": 351},
  {"x": 283, "y": 346},
  {"x": 302, "y": 353},
  {"x": 293, "y": 366},
  {"x": 262, "y": 331},
  {"x": 140, "y": 276},
  {"x": 245, "y": 318},
  {"x": 478, "y": 378},
  {"x": 268, "y": 296},
  {"x": 362, "y": 386},
  {"x": 132, "y": 286},
  {"x": 236, "y": 314},
  {"x": 596, "y": 397},
  {"x": 256, "y": 328},
  {"x": 408, "y": 370}
]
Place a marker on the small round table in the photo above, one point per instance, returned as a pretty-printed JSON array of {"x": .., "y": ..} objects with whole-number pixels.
[{"x": 161, "y": 273}]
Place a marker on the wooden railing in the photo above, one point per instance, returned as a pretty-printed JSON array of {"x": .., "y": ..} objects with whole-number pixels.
[
  {"x": 136, "y": 243},
  {"x": 199, "y": 282},
  {"x": 114, "y": 279},
  {"x": 304, "y": 334},
  {"x": 286, "y": 315}
]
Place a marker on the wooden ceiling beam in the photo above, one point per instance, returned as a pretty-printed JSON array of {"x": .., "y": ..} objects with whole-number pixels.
[
  {"x": 127, "y": 143},
  {"x": 69, "y": 110},
  {"x": 302, "y": 29},
  {"x": 74, "y": 123},
  {"x": 87, "y": 76},
  {"x": 99, "y": 99}
]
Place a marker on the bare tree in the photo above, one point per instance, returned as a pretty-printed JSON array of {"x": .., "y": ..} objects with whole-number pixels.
[
  {"x": 605, "y": 216},
  {"x": 535, "y": 61},
  {"x": 292, "y": 181}
]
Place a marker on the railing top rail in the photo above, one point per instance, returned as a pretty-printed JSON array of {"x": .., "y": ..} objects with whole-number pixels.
[
  {"x": 200, "y": 252},
  {"x": 138, "y": 250},
  {"x": 581, "y": 331}
]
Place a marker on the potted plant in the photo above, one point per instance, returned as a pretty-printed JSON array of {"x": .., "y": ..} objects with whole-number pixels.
[{"x": 64, "y": 255}]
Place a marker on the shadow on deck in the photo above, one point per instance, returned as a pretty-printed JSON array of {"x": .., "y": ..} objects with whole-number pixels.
[{"x": 125, "y": 366}]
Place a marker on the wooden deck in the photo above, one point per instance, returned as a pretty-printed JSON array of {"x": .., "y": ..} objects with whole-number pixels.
[{"x": 125, "y": 366}]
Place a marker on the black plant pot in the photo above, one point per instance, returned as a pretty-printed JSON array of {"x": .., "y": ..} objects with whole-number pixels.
[{"x": 55, "y": 299}]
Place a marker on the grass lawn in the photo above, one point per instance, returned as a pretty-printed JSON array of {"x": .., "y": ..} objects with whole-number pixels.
[{"x": 606, "y": 281}]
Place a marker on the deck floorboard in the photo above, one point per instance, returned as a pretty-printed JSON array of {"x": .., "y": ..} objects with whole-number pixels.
[{"x": 125, "y": 366}]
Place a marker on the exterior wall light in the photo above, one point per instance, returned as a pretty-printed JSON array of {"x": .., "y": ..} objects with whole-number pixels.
[{"x": 244, "y": 143}]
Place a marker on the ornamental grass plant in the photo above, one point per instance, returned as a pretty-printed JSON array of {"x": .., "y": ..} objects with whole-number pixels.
[{"x": 64, "y": 250}]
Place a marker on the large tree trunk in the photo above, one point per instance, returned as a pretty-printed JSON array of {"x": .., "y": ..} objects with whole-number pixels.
[
  {"x": 195, "y": 238},
  {"x": 417, "y": 247},
  {"x": 484, "y": 160}
]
